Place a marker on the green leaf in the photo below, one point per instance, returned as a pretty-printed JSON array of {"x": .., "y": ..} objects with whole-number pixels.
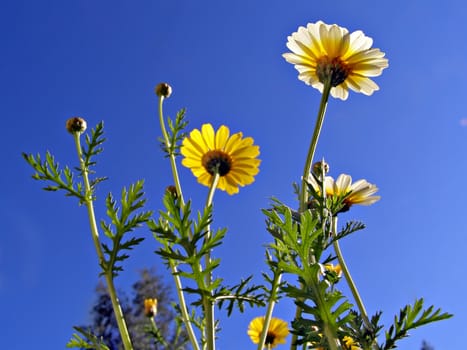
[
  {"x": 410, "y": 318},
  {"x": 92, "y": 342},
  {"x": 123, "y": 219}
]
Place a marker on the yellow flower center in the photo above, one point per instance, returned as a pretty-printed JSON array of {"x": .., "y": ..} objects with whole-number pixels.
[
  {"x": 334, "y": 68},
  {"x": 217, "y": 162}
]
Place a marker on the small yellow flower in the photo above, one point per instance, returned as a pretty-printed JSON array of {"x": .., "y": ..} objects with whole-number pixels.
[
  {"x": 360, "y": 192},
  {"x": 337, "y": 269},
  {"x": 150, "y": 307},
  {"x": 321, "y": 51},
  {"x": 277, "y": 331},
  {"x": 350, "y": 344},
  {"x": 231, "y": 156}
]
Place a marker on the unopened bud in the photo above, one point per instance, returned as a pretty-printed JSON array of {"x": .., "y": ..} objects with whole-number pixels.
[
  {"x": 172, "y": 190},
  {"x": 163, "y": 90},
  {"x": 318, "y": 168},
  {"x": 76, "y": 125}
]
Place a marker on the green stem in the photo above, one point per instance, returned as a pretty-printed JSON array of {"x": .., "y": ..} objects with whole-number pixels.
[
  {"x": 272, "y": 302},
  {"x": 173, "y": 267},
  {"x": 183, "y": 307},
  {"x": 314, "y": 141},
  {"x": 306, "y": 171},
  {"x": 348, "y": 277},
  {"x": 208, "y": 301},
  {"x": 95, "y": 236},
  {"x": 173, "y": 164},
  {"x": 157, "y": 333}
]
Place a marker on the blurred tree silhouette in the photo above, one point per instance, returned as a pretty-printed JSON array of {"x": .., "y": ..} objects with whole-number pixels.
[
  {"x": 426, "y": 346},
  {"x": 150, "y": 285}
]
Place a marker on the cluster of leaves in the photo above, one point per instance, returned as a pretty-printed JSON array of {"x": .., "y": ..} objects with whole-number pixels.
[
  {"x": 176, "y": 134},
  {"x": 188, "y": 243},
  {"x": 121, "y": 224},
  {"x": 65, "y": 179},
  {"x": 300, "y": 241}
]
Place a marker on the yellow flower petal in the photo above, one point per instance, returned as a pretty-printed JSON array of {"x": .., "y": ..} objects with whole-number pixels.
[
  {"x": 233, "y": 157},
  {"x": 349, "y": 55}
]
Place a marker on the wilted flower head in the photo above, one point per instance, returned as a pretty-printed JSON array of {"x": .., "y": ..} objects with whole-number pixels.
[
  {"x": 277, "y": 331},
  {"x": 76, "y": 125},
  {"x": 360, "y": 192},
  {"x": 233, "y": 157},
  {"x": 150, "y": 307},
  {"x": 322, "y": 51}
]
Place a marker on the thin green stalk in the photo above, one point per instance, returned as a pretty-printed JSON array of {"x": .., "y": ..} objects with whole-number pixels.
[
  {"x": 95, "y": 236},
  {"x": 306, "y": 171},
  {"x": 314, "y": 141},
  {"x": 157, "y": 333},
  {"x": 173, "y": 267},
  {"x": 348, "y": 277},
  {"x": 173, "y": 164},
  {"x": 183, "y": 307},
  {"x": 208, "y": 303},
  {"x": 272, "y": 302}
]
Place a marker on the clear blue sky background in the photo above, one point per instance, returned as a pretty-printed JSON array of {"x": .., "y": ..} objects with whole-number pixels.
[{"x": 102, "y": 59}]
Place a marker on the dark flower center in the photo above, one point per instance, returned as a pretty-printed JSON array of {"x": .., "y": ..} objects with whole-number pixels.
[
  {"x": 270, "y": 338},
  {"x": 334, "y": 68},
  {"x": 217, "y": 162}
]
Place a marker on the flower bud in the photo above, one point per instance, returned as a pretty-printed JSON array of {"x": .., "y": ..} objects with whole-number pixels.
[
  {"x": 172, "y": 190},
  {"x": 76, "y": 125},
  {"x": 163, "y": 90},
  {"x": 150, "y": 307},
  {"x": 318, "y": 168}
]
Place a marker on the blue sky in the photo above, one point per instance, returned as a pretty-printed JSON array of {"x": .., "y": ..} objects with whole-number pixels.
[{"x": 101, "y": 60}]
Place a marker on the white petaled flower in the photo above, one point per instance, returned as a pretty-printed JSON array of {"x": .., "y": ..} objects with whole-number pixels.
[
  {"x": 360, "y": 192},
  {"x": 322, "y": 51}
]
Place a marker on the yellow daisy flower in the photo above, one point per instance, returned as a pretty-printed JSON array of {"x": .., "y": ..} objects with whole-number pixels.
[
  {"x": 350, "y": 344},
  {"x": 233, "y": 157},
  {"x": 277, "y": 331},
  {"x": 337, "y": 269},
  {"x": 360, "y": 192},
  {"x": 321, "y": 50},
  {"x": 150, "y": 307}
]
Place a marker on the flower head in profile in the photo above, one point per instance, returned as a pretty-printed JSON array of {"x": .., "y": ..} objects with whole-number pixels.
[
  {"x": 360, "y": 192},
  {"x": 150, "y": 307},
  {"x": 322, "y": 51},
  {"x": 277, "y": 331},
  {"x": 231, "y": 156}
]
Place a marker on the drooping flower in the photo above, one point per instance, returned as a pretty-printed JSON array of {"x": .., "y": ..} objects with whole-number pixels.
[
  {"x": 234, "y": 158},
  {"x": 321, "y": 51},
  {"x": 277, "y": 331},
  {"x": 360, "y": 192},
  {"x": 150, "y": 307}
]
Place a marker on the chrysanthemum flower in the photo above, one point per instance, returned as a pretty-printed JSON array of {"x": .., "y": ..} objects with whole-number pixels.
[
  {"x": 350, "y": 344},
  {"x": 277, "y": 331},
  {"x": 234, "y": 158},
  {"x": 337, "y": 269},
  {"x": 360, "y": 192},
  {"x": 150, "y": 307},
  {"x": 321, "y": 51}
]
